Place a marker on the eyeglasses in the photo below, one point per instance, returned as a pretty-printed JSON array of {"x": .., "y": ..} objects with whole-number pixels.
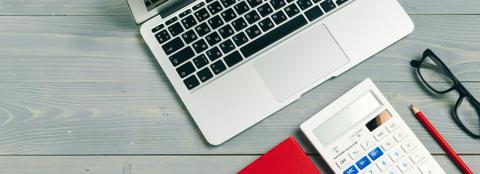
[{"x": 436, "y": 76}]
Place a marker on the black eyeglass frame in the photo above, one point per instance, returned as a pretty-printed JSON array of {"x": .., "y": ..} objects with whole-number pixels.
[{"x": 457, "y": 85}]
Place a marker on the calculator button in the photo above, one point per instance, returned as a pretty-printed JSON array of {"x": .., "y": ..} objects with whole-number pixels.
[
  {"x": 367, "y": 144},
  {"x": 388, "y": 144},
  {"x": 384, "y": 163},
  {"x": 392, "y": 126},
  {"x": 392, "y": 170},
  {"x": 413, "y": 171},
  {"x": 363, "y": 162},
  {"x": 400, "y": 136},
  {"x": 351, "y": 170},
  {"x": 380, "y": 134},
  {"x": 408, "y": 146},
  {"x": 426, "y": 167},
  {"x": 375, "y": 153},
  {"x": 354, "y": 152},
  {"x": 396, "y": 154},
  {"x": 404, "y": 165},
  {"x": 417, "y": 156},
  {"x": 342, "y": 161},
  {"x": 372, "y": 170}
]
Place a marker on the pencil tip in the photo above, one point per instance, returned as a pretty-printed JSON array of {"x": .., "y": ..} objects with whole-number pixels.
[{"x": 414, "y": 109}]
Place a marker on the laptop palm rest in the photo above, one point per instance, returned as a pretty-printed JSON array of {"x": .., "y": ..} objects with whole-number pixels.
[{"x": 300, "y": 61}]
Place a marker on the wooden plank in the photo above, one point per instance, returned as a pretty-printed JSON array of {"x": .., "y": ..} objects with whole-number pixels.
[
  {"x": 119, "y": 7},
  {"x": 148, "y": 118},
  {"x": 158, "y": 164},
  {"x": 109, "y": 49}
]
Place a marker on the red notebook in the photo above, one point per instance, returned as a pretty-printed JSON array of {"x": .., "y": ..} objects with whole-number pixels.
[{"x": 285, "y": 158}]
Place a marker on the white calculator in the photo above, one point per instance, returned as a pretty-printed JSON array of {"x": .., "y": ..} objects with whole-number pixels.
[{"x": 361, "y": 133}]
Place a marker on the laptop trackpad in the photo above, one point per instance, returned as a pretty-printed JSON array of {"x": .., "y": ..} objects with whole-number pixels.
[{"x": 309, "y": 56}]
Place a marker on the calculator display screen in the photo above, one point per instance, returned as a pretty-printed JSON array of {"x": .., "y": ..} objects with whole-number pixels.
[
  {"x": 347, "y": 119},
  {"x": 378, "y": 120}
]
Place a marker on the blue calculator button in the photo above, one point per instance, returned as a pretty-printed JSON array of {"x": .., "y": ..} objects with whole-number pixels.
[
  {"x": 351, "y": 170},
  {"x": 363, "y": 162},
  {"x": 375, "y": 153}
]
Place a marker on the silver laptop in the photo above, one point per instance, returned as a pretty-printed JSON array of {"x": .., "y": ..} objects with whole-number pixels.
[{"x": 235, "y": 62}]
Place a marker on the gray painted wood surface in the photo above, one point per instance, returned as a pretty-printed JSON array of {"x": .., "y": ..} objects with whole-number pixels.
[{"x": 77, "y": 82}]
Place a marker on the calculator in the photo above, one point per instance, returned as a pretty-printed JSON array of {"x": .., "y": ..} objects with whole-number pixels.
[{"x": 361, "y": 133}]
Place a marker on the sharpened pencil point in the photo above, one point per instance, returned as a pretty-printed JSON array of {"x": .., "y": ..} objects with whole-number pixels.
[{"x": 414, "y": 109}]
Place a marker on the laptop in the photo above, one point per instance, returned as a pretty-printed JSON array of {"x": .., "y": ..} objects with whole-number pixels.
[{"x": 235, "y": 62}]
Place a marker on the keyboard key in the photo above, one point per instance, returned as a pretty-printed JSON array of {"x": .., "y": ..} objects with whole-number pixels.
[
  {"x": 240, "y": 39},
  {"x": 327, "y": 5},
  {"x": 214, "y": 53},
  {"x": 396, "y": 154},
  {"x": 340, "y": 2},
  {"x": 158, "y": 28},
  {"x": 367, "y": 144},
  {"x": 189, "y": 22},
  {"x": 375, "y": 153},
  {"x": 175, "y": 29},
  {"x": 170, "y": 21},
  {"x": 189, "y": 36},
  {"x": 408, "y": 146},
  {"x": 400, "y": 136},
  {"x": 273, "y": 36},
  {"x": 228, "y": 15},
  {"x": 218, "y": 67},
  {"x": 313, "y": 13},
  {"x": 372, "y": 170},
  {"x": 392, "y": 126},
  {"x": 392, "y": 170},
  {"x": 277, "y": 4},
  {"x": 215, "y": 7},
  {"x": 199, "y": 5},
  {"x": 351, "y": 170},
  {"x": 342, "y": 160},
  {"x": 253, "y": 31},
  {"x": 404, "y": 165},
  {"x": 363, "y": 162},
  {"x": 239, "y": 24},
  {"x": 185, "y": 13},
  {"x": 304, "y": 4},
  {"x": 279, "y": 17},
  {"x": 265, "y": 10},
  {"x": 417, "y": 156},
  {"x": 191, "y": 82},
  {"x": 200, "y": 46},
  {"x": 181, "y": 56},
  {"x": 252, "y": 17},
  {"x": 254, "y": 3},
  {"x": 215, "y": 22},
  {"x": 226, "y": 31},
  {"x": 227, "y": 46},
  {"x": 213, "y": 38},
  {"x": 162, "y": 36},
  {"x": 204, "y": 74},
  {"x": 388, "y": 144},
  {"x": 200, "y": 61},
  {"x": 384, "y": 163},
  {"x": 202, "y": 14},
  {"x": 185, "y": 70},
  {"x": 427, "y": 167},
  {"x": 202, "y": 29},
  {"x": 241, "y": 8},
  {"x": 233, "y": 59},
  {"x": 266, "y": 24},
  {"x": 355, "y": 152},
  {"x": 173, "y": 46},
  {"x": 380, "y": 134},
  {"x": 292, "y": 10},
  {"x": 227, "y": 3}
]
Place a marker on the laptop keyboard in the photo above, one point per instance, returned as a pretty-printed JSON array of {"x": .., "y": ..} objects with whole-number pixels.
[{"x": 216, "y": 35}]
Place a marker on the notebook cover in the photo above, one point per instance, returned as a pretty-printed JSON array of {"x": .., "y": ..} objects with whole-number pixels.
[{"x": 285, "y": 158}]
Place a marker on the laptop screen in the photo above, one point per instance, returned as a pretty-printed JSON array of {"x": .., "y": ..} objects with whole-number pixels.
[{"x": 166, "y": 7}]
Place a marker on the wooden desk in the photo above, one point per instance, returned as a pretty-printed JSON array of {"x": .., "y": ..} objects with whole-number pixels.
[{"x": 80, "y": 92}]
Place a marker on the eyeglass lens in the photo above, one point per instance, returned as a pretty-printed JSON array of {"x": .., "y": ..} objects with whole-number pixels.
[
  {"x": 435, "y": 74},
  {"x": 468, "y": 113}
]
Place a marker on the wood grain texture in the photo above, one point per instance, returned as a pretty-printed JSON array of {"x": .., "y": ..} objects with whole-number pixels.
[
  {"x": 110, "y": 49},
  {"x": 157, "y": 164},
  {"x": 119, "y": 7},
  {"x": 148, "y": 118}
]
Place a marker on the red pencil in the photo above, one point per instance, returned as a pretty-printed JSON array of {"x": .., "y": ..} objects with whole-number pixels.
[{"x": 440, "y": 140}]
